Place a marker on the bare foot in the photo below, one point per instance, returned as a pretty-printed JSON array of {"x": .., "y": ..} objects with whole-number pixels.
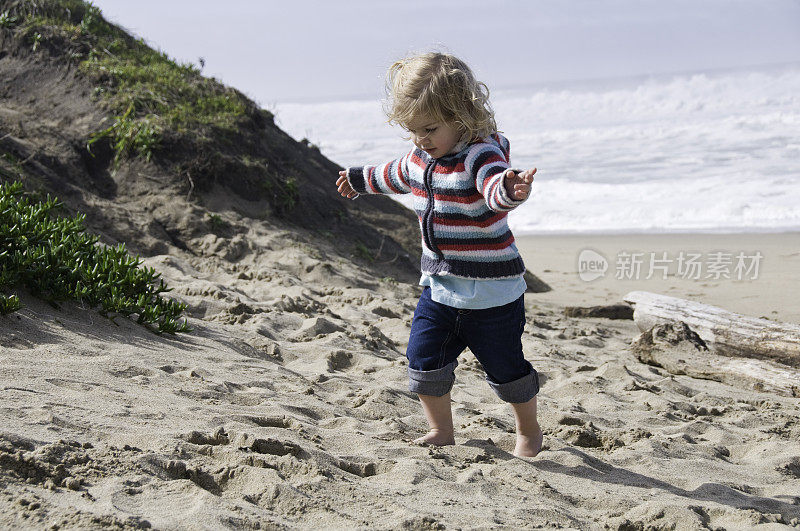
[
  {"x": 529, "y": 446},
  {"x": 436, "y": 438}
]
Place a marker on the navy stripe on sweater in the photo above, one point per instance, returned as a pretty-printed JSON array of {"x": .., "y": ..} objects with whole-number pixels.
[
  {"x": 477, "y": 270},
  {"x": 444, "y": 240}
]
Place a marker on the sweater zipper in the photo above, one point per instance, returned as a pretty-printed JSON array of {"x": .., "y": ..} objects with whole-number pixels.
[{"x": 427, "y": 216}]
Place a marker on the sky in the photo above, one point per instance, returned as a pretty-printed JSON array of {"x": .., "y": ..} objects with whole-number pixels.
[{"x": 302, "y": 50}]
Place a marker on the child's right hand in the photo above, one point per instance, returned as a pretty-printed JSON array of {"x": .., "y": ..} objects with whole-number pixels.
[{"x": 344, "y": 187}]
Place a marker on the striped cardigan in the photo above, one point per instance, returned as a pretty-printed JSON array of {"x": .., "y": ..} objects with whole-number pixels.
[{"x": 462, "y": 205}]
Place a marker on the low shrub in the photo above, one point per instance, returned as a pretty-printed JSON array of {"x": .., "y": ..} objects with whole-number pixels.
[{"x": 56, "y": 260}]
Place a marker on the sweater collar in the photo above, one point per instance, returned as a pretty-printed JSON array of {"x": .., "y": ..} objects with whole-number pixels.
[{"x": 457, "y": 149}]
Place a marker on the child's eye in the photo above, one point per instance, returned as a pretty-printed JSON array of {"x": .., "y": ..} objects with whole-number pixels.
[{"x": 430, "y": 130}]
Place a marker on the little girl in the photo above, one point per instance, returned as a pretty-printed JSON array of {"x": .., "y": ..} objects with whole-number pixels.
[{"x": 463, "y": 187}]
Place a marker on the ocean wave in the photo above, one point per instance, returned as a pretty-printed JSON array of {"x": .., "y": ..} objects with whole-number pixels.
[{"x": 694, "y": 152}]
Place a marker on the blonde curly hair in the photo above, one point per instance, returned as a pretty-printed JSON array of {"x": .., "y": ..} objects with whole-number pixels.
[{"x": 443, "y": 87}]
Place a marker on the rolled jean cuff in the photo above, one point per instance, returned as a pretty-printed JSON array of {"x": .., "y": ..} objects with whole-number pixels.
[
  {"x": 518, "y": 391},
  {"x": 437, "y": 382}
]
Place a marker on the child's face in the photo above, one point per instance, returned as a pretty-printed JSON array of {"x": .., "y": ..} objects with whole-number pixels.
[{"x": 434, "y": 137}]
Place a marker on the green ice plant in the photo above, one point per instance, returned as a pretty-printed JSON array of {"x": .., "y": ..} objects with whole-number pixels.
[
  {"x": 6, "y": 20},
  {"x": 286, "y": 193},
  {"x": 216, "y": 223},
  {"x": 56, "y": 260},
  {"x": 362, "y": 252},
  {"x": 9, "y": 304},
  {"x": 36, "y": 39}
]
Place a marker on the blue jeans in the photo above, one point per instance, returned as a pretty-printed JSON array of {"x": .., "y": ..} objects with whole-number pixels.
[{"x": 439, "y": 333}]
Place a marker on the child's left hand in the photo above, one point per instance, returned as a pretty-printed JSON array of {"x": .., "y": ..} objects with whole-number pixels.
[{"x": 518, "y": 185}]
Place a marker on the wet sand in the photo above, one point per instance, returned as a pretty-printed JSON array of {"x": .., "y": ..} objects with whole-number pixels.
[{"x": 774, "y": 293}]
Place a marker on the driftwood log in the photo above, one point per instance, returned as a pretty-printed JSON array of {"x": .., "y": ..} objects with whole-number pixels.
[
  {"x": 677, "y": 349},
  {"x": 611, "y": 311},
  {"x": 726, "y": 333},
  {"x": 535, "y": 284}
]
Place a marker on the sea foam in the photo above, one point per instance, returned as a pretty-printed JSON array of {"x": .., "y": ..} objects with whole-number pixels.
[{"x": 695, "y": 152}]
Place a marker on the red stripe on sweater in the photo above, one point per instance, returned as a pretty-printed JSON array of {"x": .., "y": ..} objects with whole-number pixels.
[
  {"x": 489, "y": 178},
  {"x": 388, "y": 180},
  {"x": 469, "y": 222},
  {"x": 474, "y": 198},
  {"x": 369, "y": 181},
  {"x": 494, "y": 192},
  {"x": 440, "y": 166},
  {"x": 443, "y": 168},
  {"x": 416, "y": 160},
  {"x": 400, "y": 173},
  {"x": 495, "y": 158},
  {"x": 419, "y": 193}
]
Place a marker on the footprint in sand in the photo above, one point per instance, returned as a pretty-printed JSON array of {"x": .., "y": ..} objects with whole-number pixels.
[
  {"x": 74, "y": 385},
  {"x": 339, "y": 360},
  {"x": 175, "y": 469},
  {"x": 271, "y": 422},
  {"x": 315, "y": 327},
  {"x": 576, "y": 432},
  {"x": 267, "y": 445},
  {"x": 377, "y": 404},
  {"x": 172, "y": 369},
  {"x": 362, "y": 469},
  {"x": 130, "y": 372},
  {"x": 217, "y": 438}
]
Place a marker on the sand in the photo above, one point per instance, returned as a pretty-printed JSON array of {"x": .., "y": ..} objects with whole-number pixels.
[
  {"x": 771, "y": 290},
  {"x": 287, "y": 407}
]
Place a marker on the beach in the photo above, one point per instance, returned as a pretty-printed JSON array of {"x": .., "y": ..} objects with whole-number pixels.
[
  {"x": 771, "y": 289},
  {"x": 287, "y": 407}
]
